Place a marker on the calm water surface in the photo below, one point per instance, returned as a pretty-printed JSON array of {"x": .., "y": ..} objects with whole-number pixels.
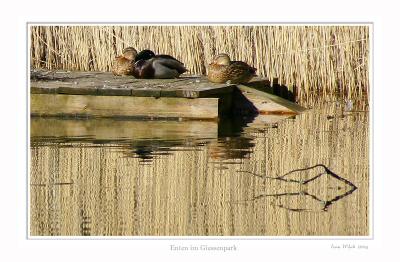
[{"x": 306, "y": 175}]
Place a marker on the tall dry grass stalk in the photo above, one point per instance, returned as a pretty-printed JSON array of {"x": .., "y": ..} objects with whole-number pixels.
[{"x": 316, "y": 59}]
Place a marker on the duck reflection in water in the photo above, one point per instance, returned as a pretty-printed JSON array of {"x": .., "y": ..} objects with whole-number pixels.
[{"x": 230, "y": 144}]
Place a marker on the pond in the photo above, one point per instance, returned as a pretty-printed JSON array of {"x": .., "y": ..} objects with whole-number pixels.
[{"x": 304, "y": 175}]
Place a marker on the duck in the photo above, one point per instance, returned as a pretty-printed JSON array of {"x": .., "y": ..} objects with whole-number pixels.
[
  {"x": 148, "y": 65},
  {"x": 223, "y": 70},
  {"x": 124, "y": 64}
]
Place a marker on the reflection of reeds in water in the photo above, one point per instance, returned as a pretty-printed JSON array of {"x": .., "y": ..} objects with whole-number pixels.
[
  {"x": 78, "y": 190},
  {"x": 326, "y": 59}
]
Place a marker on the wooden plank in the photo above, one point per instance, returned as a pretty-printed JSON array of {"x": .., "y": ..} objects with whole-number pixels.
[
  {"x": 43, "y": 90},
  {"x": 123, "y": 106},
  {"x": 269, "y": 104},
  {"x": 153, "y": 92},
  {"x": 110, "y": 129},
  {"x": 223, "y": 89},
  {"x": 81, "y": 90},
  {"x": 104, "y": 83},
  {"x": 262, "y": 84},
  {"x": 188, "y": 93},
  {"x": 114, "y": 91},
  {"x": 168, "y": 93}
]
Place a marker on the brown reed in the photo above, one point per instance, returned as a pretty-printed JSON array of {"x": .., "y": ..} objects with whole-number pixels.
[{"x": 322, "y": 60}]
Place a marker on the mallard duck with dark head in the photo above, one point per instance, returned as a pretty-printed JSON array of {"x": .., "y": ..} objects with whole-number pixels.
[
  {"x": 125, "y": 63},
  {"x": 222, "y": 70},
  {"x": 149, "y": 65}
]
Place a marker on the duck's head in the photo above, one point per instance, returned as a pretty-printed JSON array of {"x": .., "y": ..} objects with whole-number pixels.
[
  {"x": 129, "y": 53},
  {"x": 145, "y": 55},
  {"x": 221, "y": 59}
]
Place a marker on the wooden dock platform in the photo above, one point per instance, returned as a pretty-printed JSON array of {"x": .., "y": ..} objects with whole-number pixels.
[{"x": 100, "y": 94}]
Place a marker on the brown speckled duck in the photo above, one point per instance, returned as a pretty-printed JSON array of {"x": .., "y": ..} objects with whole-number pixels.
[
  {"x": 223, "y": 70},
  {"x": 124, "y": 64},
  {"x": 149, "y": 65}
]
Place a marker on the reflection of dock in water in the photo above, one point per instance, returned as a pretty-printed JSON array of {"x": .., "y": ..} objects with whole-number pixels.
[
  {"x": 141, "y": 137},
  {"x": 149, "y": 138}
]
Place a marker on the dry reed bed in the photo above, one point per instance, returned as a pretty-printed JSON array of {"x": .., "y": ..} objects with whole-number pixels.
[{"x": 316, "y": 59}]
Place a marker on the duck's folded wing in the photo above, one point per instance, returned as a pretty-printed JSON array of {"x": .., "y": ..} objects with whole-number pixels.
[
  {"x": 168, "y": 57},
  {"x": 171, "y": 63},
  {"x": 239, "y": 66}
]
